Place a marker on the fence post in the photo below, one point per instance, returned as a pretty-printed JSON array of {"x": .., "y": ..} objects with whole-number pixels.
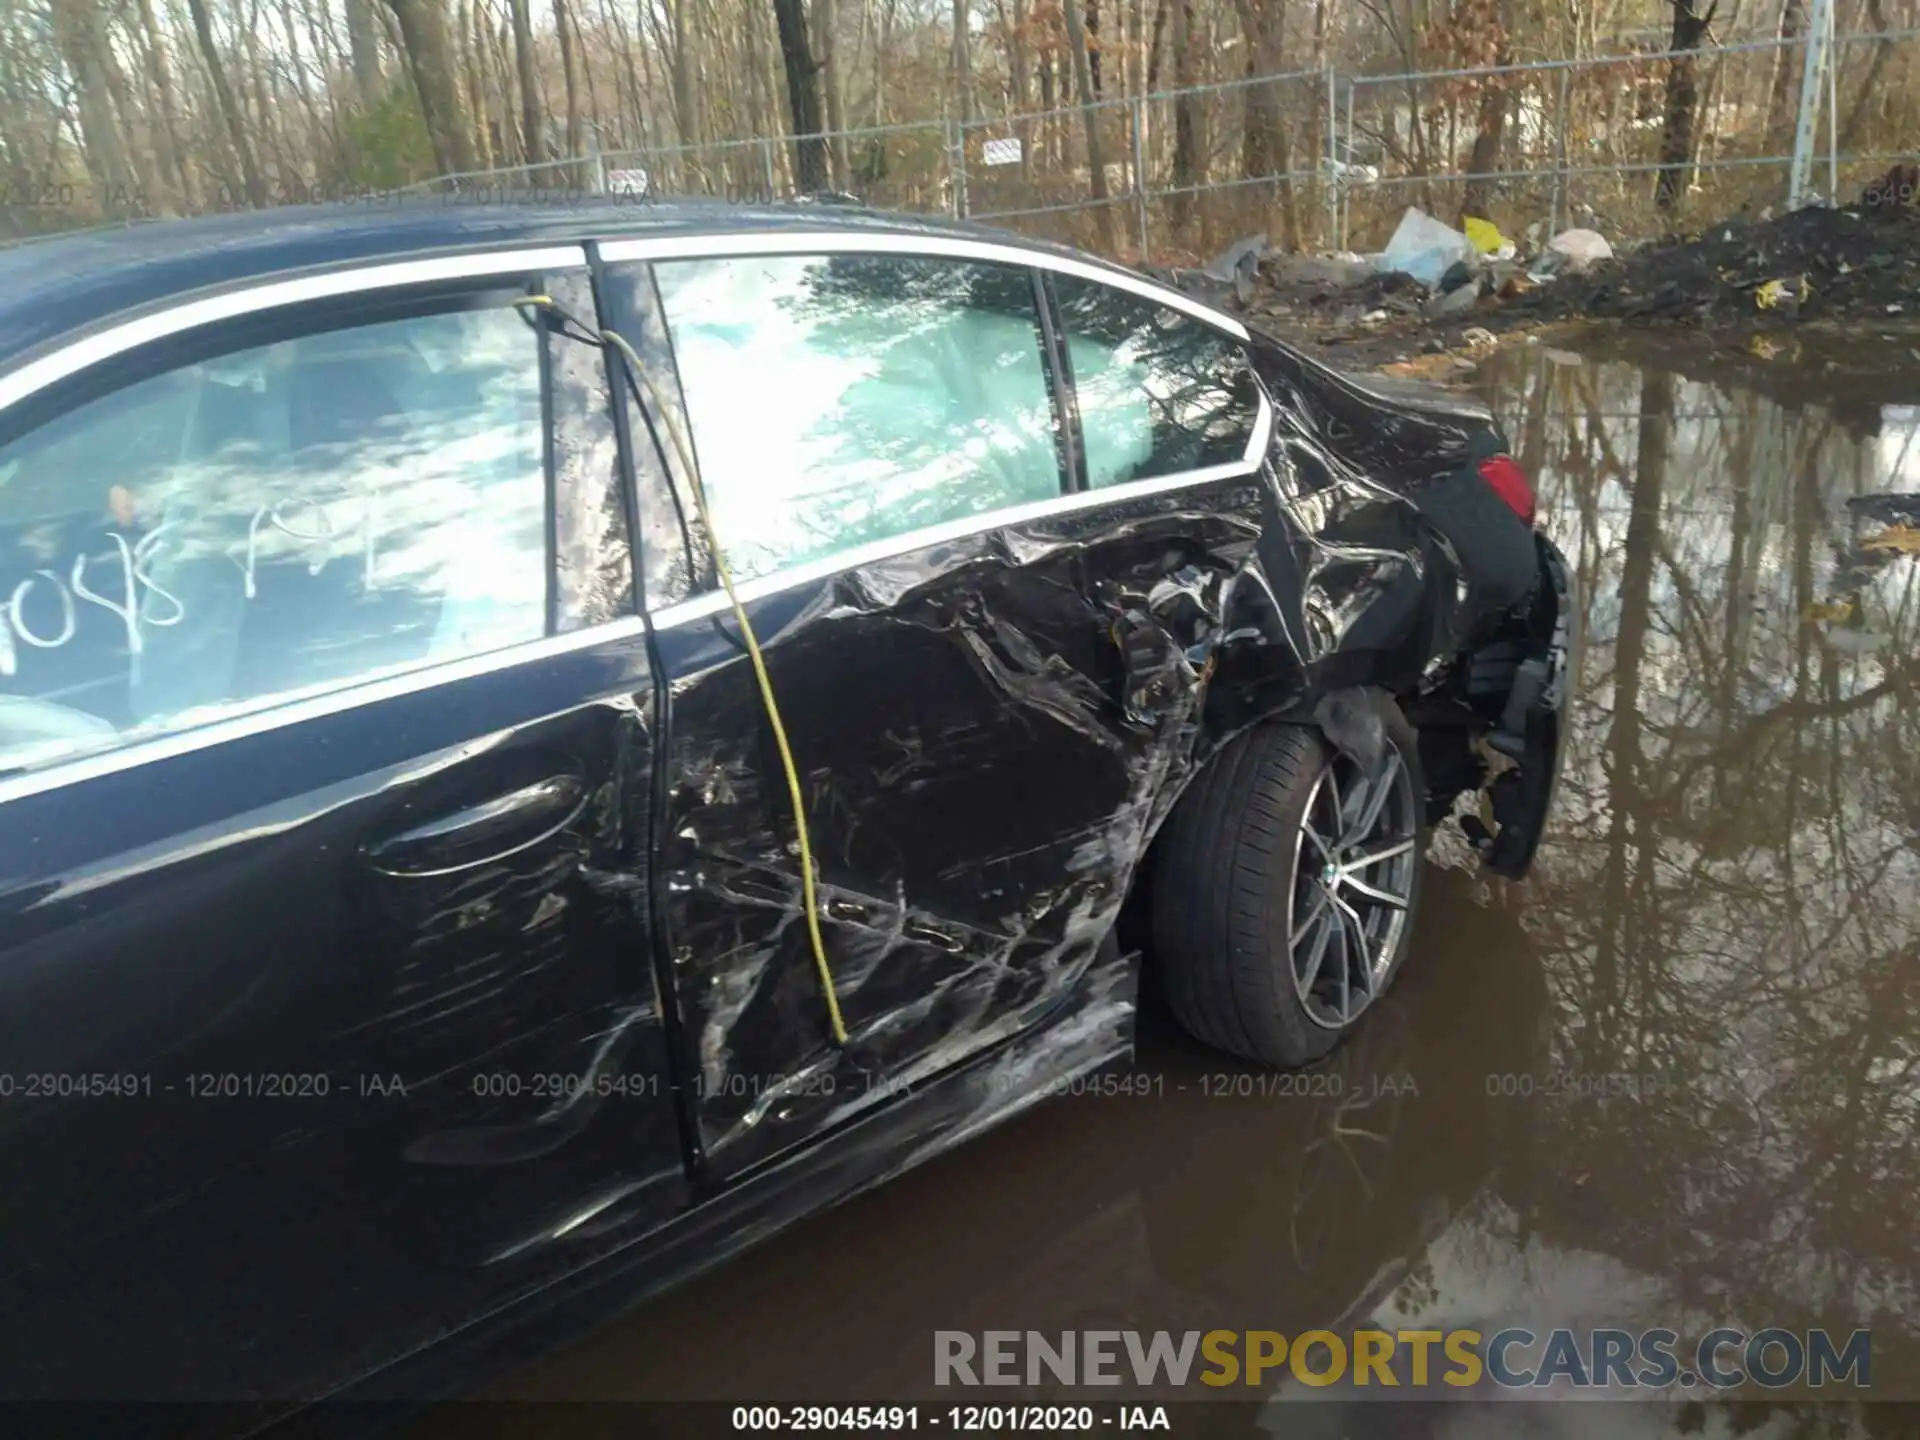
[
  {"x": 1333, "y": 161},
  {"x": 766, "y": 165},
  {"x": 1346, "y": 191},
  {"x": 1139, "y": 176},
  {"x": 1833, "y": 109},
  {"x": 957, "y": 153},
  {"x": 1554, "y": 222},
  {"x": 1819, "y": 33}
]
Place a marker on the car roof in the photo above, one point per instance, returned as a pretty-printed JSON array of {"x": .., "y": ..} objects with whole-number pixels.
[{"x": 63, "y": 284}]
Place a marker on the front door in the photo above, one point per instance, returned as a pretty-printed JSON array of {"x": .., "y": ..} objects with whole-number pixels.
[{"x": 328, "y": 1018}]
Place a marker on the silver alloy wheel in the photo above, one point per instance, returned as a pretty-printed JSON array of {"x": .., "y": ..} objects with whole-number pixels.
[{"x": 1353, "y": 872}]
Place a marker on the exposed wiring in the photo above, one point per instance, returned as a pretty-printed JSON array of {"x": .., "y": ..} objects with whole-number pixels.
[{"x": 809, "y": 892}]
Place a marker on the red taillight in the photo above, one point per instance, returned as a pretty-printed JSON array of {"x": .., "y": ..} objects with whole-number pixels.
[{"x": 1509, "y": 482}]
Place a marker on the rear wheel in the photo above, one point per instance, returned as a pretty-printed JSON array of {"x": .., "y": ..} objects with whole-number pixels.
[{"x": 1284, "y": 889}]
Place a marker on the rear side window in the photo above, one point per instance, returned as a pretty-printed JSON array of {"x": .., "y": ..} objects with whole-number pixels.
[
  {"x": 294, "y": 515},
  {"x": 841, "y": 400},
  {"x": 1159, "y": 392}
]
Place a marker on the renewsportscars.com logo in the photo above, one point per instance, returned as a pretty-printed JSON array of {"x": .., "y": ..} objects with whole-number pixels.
[{"x": 1511, "y": 1359}]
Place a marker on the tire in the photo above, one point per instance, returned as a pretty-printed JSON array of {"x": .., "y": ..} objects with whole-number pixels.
[{"x": 1232, "y": 868}]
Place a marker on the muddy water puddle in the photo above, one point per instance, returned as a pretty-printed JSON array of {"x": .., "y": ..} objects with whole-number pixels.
[{"x": 1671, "y": 1081}]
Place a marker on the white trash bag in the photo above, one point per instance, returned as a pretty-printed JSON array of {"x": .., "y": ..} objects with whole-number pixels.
[
  {"x": 1425, "y": 248},
  {"x": 1581, "y": 247}
]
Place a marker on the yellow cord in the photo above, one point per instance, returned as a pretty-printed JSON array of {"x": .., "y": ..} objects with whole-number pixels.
[{"x": 810, "y": 898}]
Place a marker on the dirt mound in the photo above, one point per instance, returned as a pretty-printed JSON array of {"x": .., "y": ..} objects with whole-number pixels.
[{"x": 1835, "y": 264}]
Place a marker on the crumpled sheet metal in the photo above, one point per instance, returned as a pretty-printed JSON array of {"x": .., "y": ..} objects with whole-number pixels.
[{"x": 994, "y": 730}]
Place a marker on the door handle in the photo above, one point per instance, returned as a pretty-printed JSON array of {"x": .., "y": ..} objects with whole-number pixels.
[{"x": 483, "y": 834}]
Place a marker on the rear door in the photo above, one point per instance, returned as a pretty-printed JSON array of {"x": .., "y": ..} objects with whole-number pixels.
[
  {"x": 328, "y": 1020},
  {"x": 892, "y": 481}
]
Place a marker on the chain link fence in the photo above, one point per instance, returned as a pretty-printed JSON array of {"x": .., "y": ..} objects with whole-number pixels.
[{"x": 1327, "y": 160}]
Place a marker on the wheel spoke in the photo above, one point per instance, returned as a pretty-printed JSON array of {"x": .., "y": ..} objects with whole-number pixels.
[
  {"x": 1346, "y": 970},
  {"x": 1354, "y": 821},
  {"x": 1352, "y": 926},
  {"x": 1385, "y": 852},
  {"x": 1320, "y": 842},
  {"x": 1354, "y": 885},
  {"x": 1321, "y": 897},
  {"x": 1317, "y": 956},
  {"x": 1333, "y": 796},
  {"x": 1378, "y": 789}
]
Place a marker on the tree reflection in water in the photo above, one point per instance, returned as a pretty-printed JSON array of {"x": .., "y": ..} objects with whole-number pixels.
[{"x": 1728, "y": 907}]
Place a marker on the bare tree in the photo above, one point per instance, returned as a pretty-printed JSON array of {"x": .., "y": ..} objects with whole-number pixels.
[
  {"x": 171, "y": 152},
  {"x": 1490, "y": 126},
  {"x": 1096, "y": 152},
  {"x": 79, "y": 30},
  {"x": 826, "y": 17},
  {"x": 430, "y": 59},
  {"x": 1093, "y": 48},
  {"x": 1676, "y": 135},
  {"x": 686, "y": 114},
  {"x": 1793, "y": 24},
  {"x": 363, "y": 43},
  {"x": 803, "y": 96},
  {"x": 229, "y": 107},
  {"x": 1264, "y": 146},
  {"x": 1189, "y": 147},
  {"x": 569, "y": 70},
  {"x": 962, "y": 67}
]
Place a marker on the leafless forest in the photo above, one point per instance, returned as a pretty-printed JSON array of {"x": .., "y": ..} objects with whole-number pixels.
[{"x": 1162, "y": 109}]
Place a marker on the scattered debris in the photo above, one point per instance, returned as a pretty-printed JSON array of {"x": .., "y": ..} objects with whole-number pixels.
[
  {"x": 1238, "y": 265},
  {"x": 1326, "y": 273},
  {"x": 1479, "y": 341},
  {"x": 1893, "y": 508},
  {"x": 1424, "y": 249},
  {"x": 1583, "y": 249},
  {"x": 1485, "y": 237},
  {"x": 1241, "y": 263},
  {"x": 1428, "y": 367},
  {"x": 1897, "y": 540},
  {"x": 1759, "y": 277},
  {"x": 1784, "y": 295},
  {"x": 1838, "y": 263},
  {"x": 1899, "y": 515},
  {"x": 1457, "y": 301}
]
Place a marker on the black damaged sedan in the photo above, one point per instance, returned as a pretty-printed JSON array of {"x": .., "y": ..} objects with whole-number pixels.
[{"x": 538, "y": 745}]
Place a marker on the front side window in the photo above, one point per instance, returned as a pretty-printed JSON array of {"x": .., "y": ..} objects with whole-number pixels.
[
  {"x": 263, "y": 522},
  {"x": 1160, "y": 393},
  {"x": 839, "y": 400}
]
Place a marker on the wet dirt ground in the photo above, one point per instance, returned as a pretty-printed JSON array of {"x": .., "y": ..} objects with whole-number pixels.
[{"x": 1669, "y": 1081}]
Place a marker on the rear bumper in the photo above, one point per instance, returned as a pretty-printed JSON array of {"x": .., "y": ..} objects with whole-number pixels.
[{"x": 1532, "y": 724}]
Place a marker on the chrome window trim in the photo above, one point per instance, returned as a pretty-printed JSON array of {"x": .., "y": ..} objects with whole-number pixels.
[
  {"x": 272, "y": 712},
  {"x": 940, "y": 247},
  {"x": 115, "y": 340},
  {"x": 714, "y": 602}
]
